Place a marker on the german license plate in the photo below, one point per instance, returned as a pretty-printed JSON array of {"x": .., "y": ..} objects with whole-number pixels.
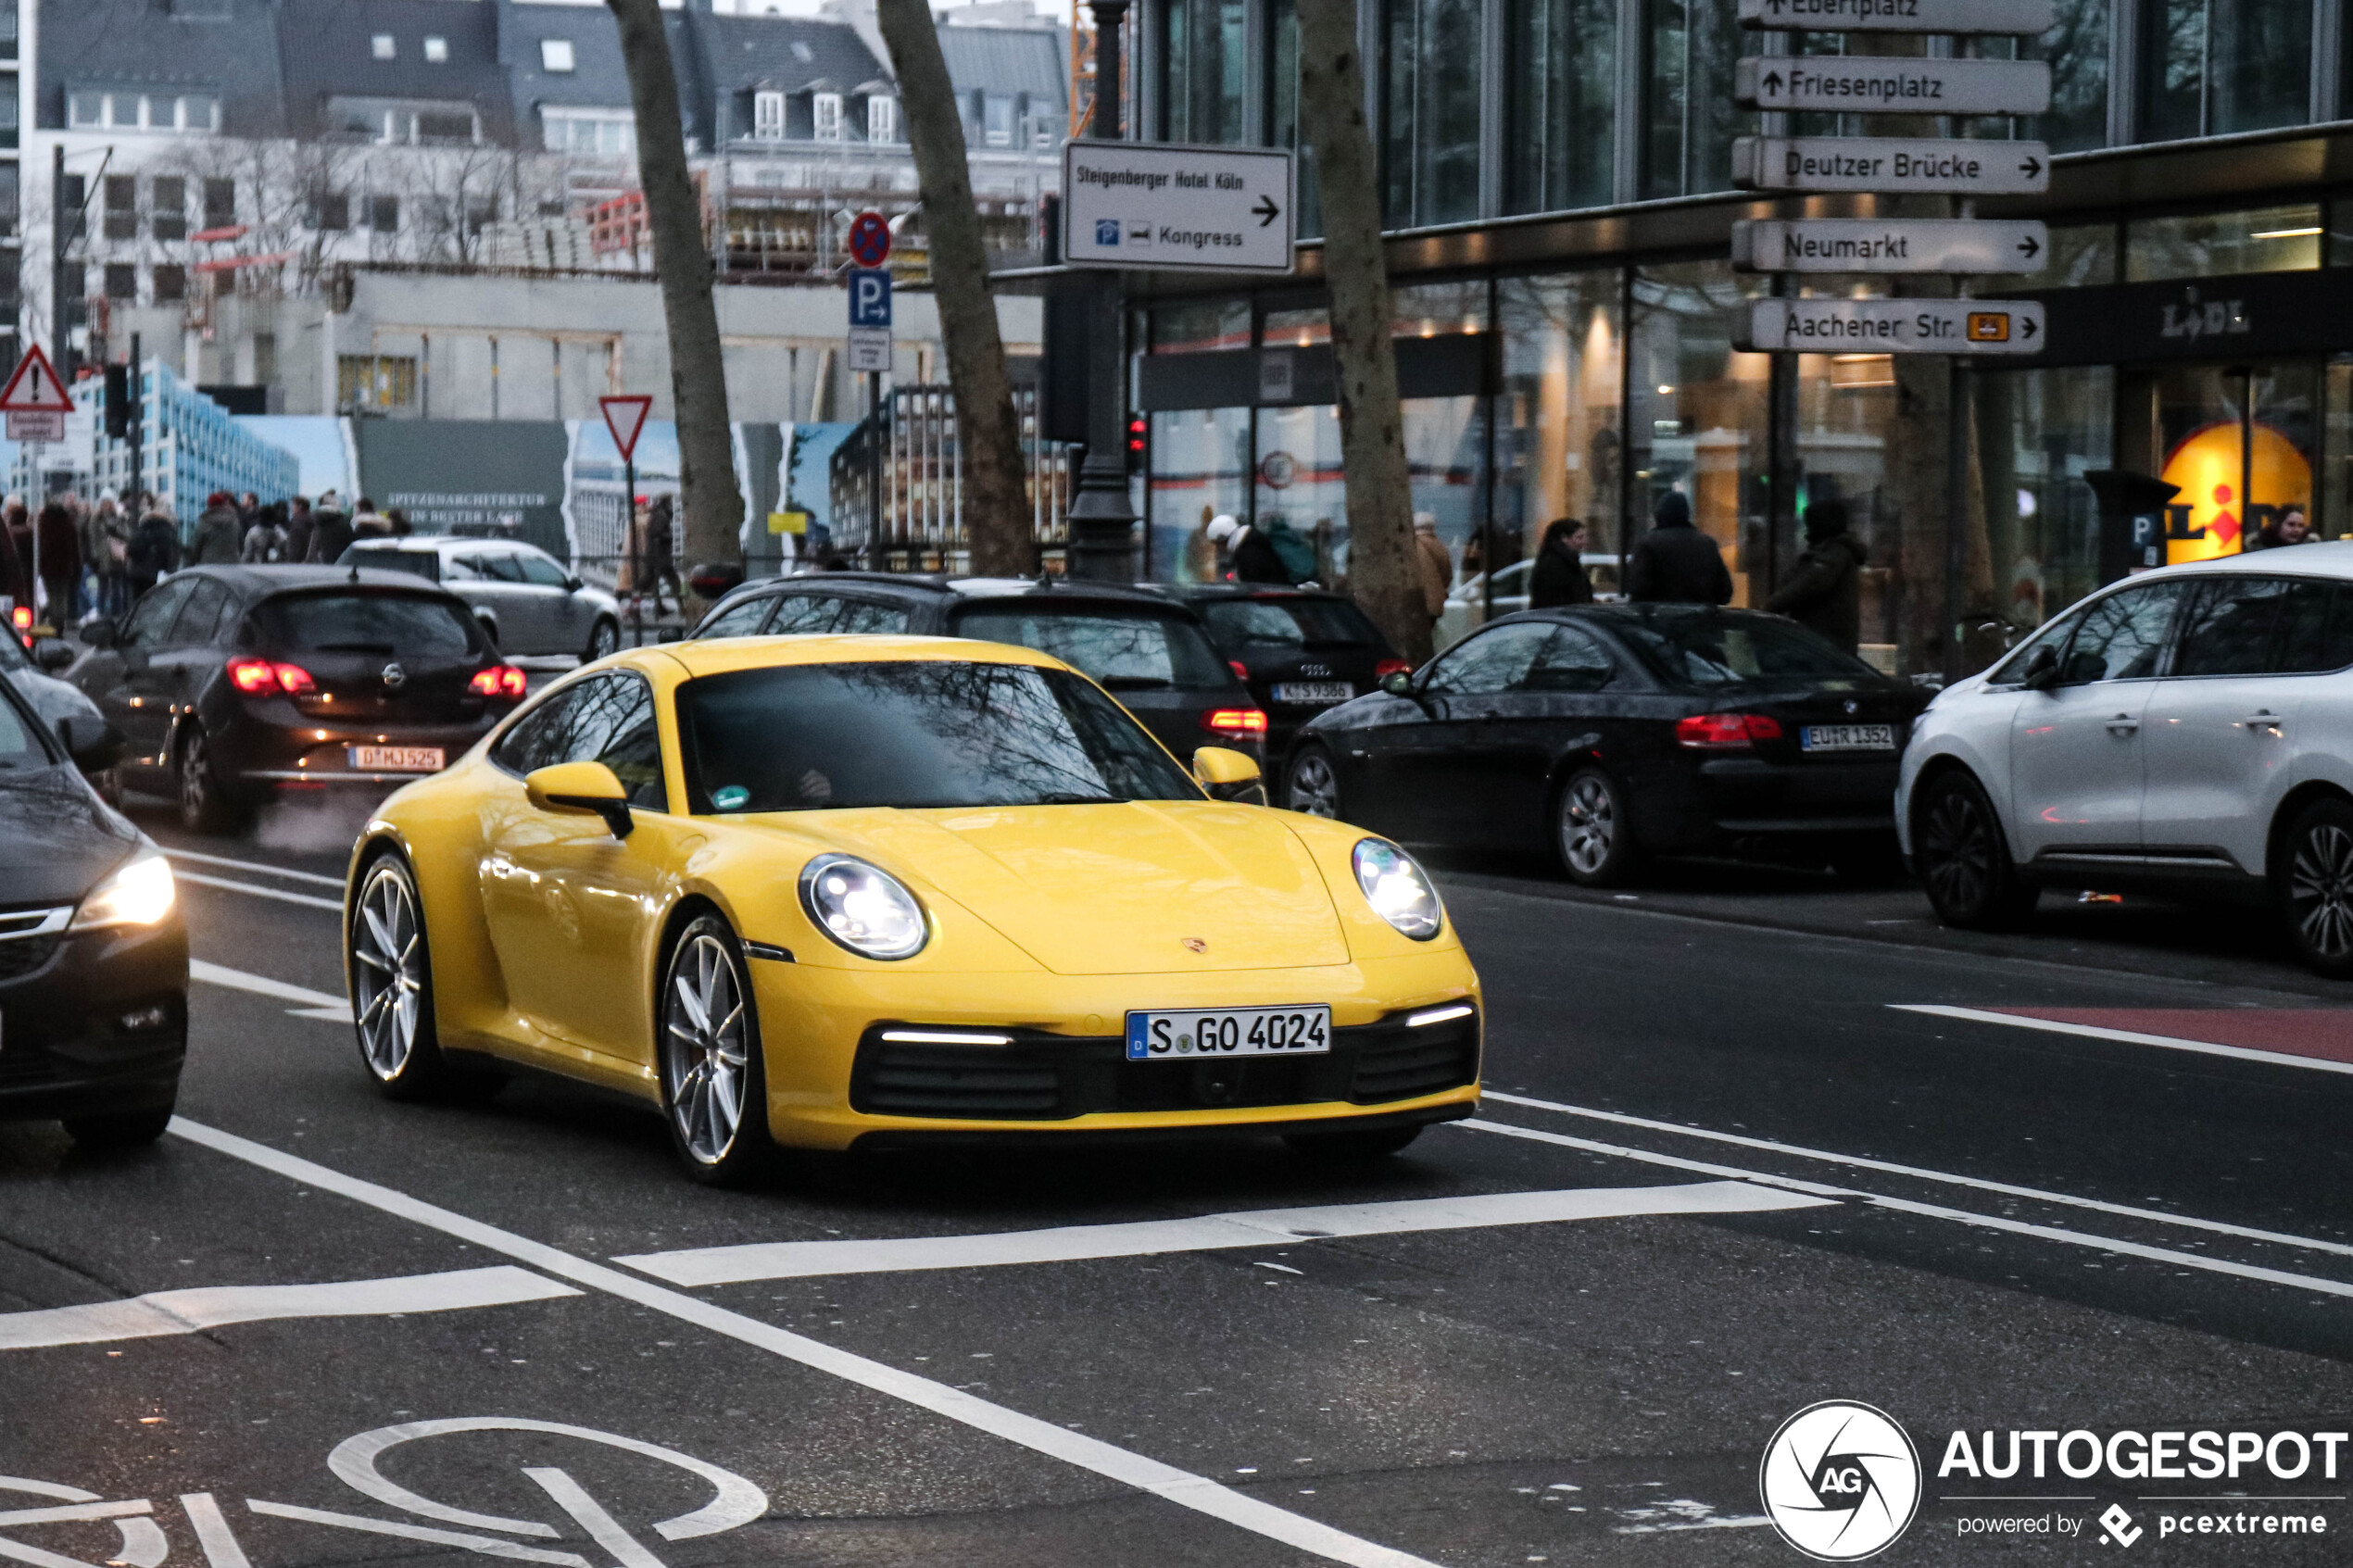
[
  {"x": 1315, "y": 694},
  {"x": 1846, "y": 737},
  {"x": 1180, "y": 1036},
  {"x": 396, "y": 758}
]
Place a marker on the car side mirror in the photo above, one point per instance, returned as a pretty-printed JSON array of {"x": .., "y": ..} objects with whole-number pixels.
[
  {"x": 98, "y": 633},
  {"x": 52, "y": 654},
  {"x": 574, "y": 584},
  {"x": 91, "y": 743},
  {"x": 1227, "y": 775},
  {"x": 1399, "y": 683},
  {"x": 581, "y": 786},
  {"x": 2042, "y": 672}
]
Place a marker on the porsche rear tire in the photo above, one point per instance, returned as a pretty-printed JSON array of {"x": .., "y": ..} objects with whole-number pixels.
[{"x": 714, "y": 1088}]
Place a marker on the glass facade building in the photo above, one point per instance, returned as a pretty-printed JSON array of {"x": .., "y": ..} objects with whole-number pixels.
[{"x": 1556, "y": 180}]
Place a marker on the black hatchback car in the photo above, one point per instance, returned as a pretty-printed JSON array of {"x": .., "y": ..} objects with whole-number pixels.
[
  {"x": 1155, "y": 656},
  {"x": 93, "y": 959},
  {"x": 237, "y": 684},
  {"x": 1609, "y": 732},
  {"x": 1299, "y": 650}
]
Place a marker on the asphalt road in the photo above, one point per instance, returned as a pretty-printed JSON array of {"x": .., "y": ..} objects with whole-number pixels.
[{"x": 1724, "y": 1171}]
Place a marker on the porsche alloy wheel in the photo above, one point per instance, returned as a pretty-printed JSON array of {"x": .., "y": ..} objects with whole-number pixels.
[
  {"x": 2316, "y": 886},
  {"x": 711, "y": 1084},
  {"x": 1314, "y": 787},
  {"x": 392, "y": 982}
]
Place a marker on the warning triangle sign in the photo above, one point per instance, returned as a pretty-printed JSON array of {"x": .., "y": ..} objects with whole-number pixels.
[
  {"x": 35, "y": 389},
  {"x": 625, "y": 417}
]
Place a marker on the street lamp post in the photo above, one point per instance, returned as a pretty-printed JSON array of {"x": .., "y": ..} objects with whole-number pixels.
[{"x": 1102, "y": 522}]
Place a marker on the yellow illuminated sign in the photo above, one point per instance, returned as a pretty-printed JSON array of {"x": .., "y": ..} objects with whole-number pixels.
[{"x": 2208, "y": 517}]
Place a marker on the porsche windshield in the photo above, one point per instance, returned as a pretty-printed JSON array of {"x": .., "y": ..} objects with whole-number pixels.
[{"x": 810, "y": 738}]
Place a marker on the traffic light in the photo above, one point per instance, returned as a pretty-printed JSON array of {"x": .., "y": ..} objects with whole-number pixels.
[
  {"x": 118, "y": 401},
  {"x": 1138, "y": 428}
]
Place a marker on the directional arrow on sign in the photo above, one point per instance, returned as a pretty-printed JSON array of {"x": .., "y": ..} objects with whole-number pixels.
[
  {"x": 2031, "y": 167},
  {"x": 2029, "y": 246},
  {"x": 1266, "y": 211}
]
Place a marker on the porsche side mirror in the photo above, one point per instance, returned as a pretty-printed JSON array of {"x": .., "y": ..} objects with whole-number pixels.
[
  {"x": 91, "y": 743},
  {"x": 52, "y": 654},
  {"x": 1227, "y": 775},
  {"x": 1400, "y": 684},
  {"x": 581, "y": 786},
  {"x": 98, "y": 633},
  {"x": 2042, "y": 672}
]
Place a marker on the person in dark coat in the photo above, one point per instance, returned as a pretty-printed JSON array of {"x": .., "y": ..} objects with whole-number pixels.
[
  {"x": 1826, "y": 593},
  {"x": 1252, "y": 554},
  {"x": 59, "y": 530},
  {"x": 16, "y": 554},
  {"x": 298, "y": 526},
  {"x": 1675, "y": 563},
  {"x": 155, "y": 549},
  {"x": 330, "y": 534},
  {"x": 219, "y": 540},
  {"x": 1558, "y": 577}
]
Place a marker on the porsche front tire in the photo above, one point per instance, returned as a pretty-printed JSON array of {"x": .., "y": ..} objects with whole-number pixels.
[
  {"x": 391, "y": 978},
  {"x": 714, "y": 1091}
]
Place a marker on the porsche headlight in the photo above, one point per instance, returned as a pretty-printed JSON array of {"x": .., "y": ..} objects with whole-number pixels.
[
  {"x": 863, "y": 908},
  {"x": 1397, "y": 890},
  {"x": 137, "y": 893}
]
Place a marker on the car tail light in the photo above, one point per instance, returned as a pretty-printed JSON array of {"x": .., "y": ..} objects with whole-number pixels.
[
  {"x": 1725, "y": 731},
  {"x": 259, "y": 677},
  {"x": 1242, "y": 670},
  {"x": 1389, "y": 667},
  {"x": 1242, "y": 723},
  {"x": 21, "y": 618},
  {"x": 499, "y": 680}
]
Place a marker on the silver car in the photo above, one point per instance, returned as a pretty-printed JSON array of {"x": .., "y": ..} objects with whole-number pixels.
[{"x": 531, "y": 604}]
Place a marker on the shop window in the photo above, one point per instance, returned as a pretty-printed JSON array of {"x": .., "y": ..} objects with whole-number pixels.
[
  {"x": 1689, "y": 121},
  {"x": 1558, "y": 436},
  {"x": 2037, "y": 433},
  {"x": 1432, "y": 309},
  {"x": 168, "y": 219},
  {"x": 1201, "y": 326},
  {"x": 1559, "y": 130},
  {"x": 1200, "y": 463},
  {"x": 1203, "y": 66},
  {"x": 1430, "y": 71},
  {"x": 1695, "y": 417},
  {"x": 2273, "y": 239},
  {"x": 2210, "y": 68},
  {"x": 1297, "y": 328}
]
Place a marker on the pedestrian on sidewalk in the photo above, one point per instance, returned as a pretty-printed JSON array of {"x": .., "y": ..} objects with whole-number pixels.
[
  {"x": 1826, "y": 593},
  {"x": 656, "y": 553},
  {"x": 1559, "y": 576},
  {"x": 2290, "y": 527},
  {"x": 1675, "y": 563},
  {"x": 218, "y": 541},
  {"x": 58, "y": 530},
  {"x": 265, "y": 540},
  {"x": 329, "y": 532},
  {"x": 298, "y": 526},
  {"x": 1437, "y": 566},
  {"x": 155, "y": 549}
]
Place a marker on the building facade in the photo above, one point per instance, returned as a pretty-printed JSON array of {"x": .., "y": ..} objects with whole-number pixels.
[
  {"x": 191, "y": 446},
  {"x": 1557, "y": 181}
]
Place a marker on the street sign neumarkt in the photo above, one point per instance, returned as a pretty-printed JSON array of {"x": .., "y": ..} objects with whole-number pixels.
[
  {"x": 1888, "y": 244},
  {"x": 1888, "y": 84},
  {"x": 1899, "y": 15},
  {"x": 1894, "y": 326},
  {"x": 1891, "y": 165},
  {"x": 1172, "y": 206}
]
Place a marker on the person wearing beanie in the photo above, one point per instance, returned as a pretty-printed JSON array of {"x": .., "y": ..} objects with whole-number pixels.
[
  {"x": 1826, "y": 593},
  {"x": 1675, "y": 563}
]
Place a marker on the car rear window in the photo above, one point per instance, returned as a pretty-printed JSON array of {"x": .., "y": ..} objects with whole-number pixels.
[
  {"x": 379, "y": 623},
  {"x": 416, "y": 563},
  {"x": 1310, "y": 623},
  {"x": 1713, "y": 648},
  {"x": 1120, "y": 650}
]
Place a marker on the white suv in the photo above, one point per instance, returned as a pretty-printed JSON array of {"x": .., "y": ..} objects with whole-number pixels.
[{"x": 2188, "y": 731}]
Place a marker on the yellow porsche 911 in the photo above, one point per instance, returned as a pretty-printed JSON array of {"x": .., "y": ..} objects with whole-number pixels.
[{"x": 817, "y": 892}]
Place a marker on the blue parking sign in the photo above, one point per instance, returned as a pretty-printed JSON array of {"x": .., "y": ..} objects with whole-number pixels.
[
  {"x": 1106, "y": 230},
  {"x": 869, "y": 297}
]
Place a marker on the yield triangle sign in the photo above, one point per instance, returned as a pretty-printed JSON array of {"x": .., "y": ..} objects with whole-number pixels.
[
  {"x": 624, "y": 416},
  {"x": 35, "y": 389}
]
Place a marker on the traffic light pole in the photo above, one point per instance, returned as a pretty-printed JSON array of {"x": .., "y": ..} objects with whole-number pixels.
[
  {"x": 1102, "y": 521},
  {"x": 138, "y": 427},
  {"x": 59, "y": 238}
]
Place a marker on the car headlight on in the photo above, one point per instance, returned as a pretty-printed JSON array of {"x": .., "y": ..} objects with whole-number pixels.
[
  {"x": 1397, "y": 890},
  {"x": 137, "y": 893},
  {"x": 863, "y": 908}
]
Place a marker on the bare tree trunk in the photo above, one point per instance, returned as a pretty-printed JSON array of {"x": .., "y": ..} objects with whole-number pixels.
[
  {"x": 1383, "y": 574},
  {"x": 709, "y": 496},
  {"x": 996, "y": 499}
]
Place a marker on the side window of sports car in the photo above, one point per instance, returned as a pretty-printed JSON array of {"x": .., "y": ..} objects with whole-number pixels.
[
  {"x": 606, "y": 719},
  {"x": 535, "y": 742}
]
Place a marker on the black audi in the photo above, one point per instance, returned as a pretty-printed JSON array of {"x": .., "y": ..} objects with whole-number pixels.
[
  {"x": 237, "y": 684},
  {"x": 93, "y": 959},
  {"x": 1610, "y": 732},
  {"x": 1299, "y": 650}
]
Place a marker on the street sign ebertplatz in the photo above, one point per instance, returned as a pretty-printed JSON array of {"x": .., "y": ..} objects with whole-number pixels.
[
  {"x": 1172, "y": 206},
  {"x": 1894, "y": 326},
  {"x": 1891, "y": 165},
  {"x": 1887, "y": 244},
  {"x": 1889, "y": 84},
  {"x": 1899, "y": 15}
]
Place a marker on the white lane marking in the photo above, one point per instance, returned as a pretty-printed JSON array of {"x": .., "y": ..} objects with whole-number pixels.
[
  {"x": 144, "y": 1545},
  {"x": 2038, "y": 1194},
  {"x": 1259, "y": 1227},
  {"x": 73, "y": 1512},
  {"x": 602, "y": 1527},
  {"x": 490, "y": 1544},
  {"x": 1928, "y": 1211},
  {"x": 316, "y": 1004},
  {"x": 278, "y": 893},
  {"x": 2127, "y": 1036},
  {"x": 1180, "y": 1486},
  {"x": 191, "y": 1312},
  {"x": 213, "y": 1535},
  {"x": 256, "y": 866}
]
